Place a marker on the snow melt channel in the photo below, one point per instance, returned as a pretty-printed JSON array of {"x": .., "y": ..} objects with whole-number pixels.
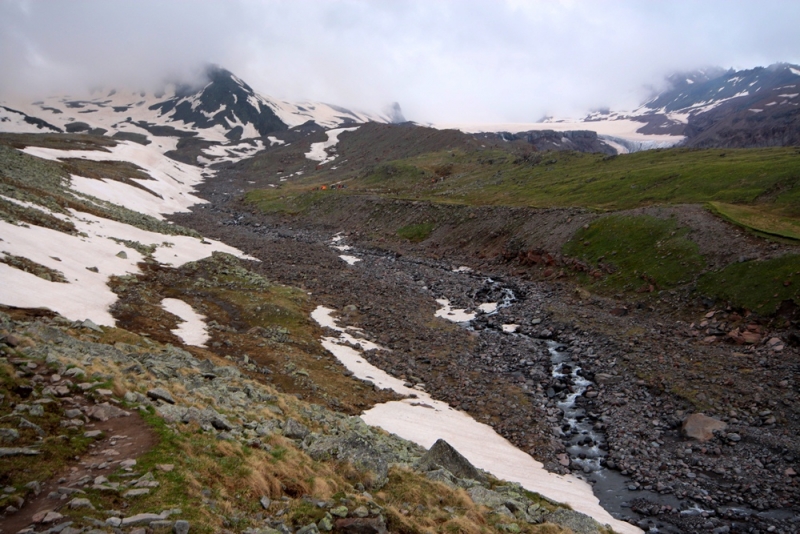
[{"x": 423, "y": 420}]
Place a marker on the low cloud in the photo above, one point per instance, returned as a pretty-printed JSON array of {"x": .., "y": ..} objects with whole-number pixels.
[{"x": 447, "y": 61}]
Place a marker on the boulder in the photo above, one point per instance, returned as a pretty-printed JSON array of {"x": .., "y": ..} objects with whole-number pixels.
[
  {"x": 486, "y": 497},
  {"x": 575, "y": 521},
  {"x": 359, "y": 525},
  {"x": 161, "y": 394},
  {"x": 443, "y": 456},
  {"x": 295, "y": 430},
  {"x": 361, "y": 451},
  {"x": 701, "y": 427}
]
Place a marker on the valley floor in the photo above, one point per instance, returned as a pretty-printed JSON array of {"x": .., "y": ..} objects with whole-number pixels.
[{"x": 648, "y": 365}]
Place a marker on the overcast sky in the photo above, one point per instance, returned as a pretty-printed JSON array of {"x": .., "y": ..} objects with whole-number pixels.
[{"x": 443, "y": 61}]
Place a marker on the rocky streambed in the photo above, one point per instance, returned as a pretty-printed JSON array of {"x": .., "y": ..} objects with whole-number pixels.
[{"x": 645, "y": 366}]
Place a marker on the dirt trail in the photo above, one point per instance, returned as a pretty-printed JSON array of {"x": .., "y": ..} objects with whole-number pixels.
[{"x": 123, "y": 438}]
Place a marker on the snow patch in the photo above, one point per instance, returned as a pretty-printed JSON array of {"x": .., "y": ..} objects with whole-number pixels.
[
  {"x": 319, "y": 152},
  {"x": 350, "y": 260},
  {"x": 192, "y": 330},
  {"x": 455, "y": 315},
  {"x": 488, "y": 307},
  {"x": 173, "y": 181},
  {"x": 423, "y": 419}
]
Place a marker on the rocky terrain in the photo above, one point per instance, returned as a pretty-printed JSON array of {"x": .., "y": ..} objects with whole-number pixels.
[
  {"x": 132, "y": 422},
  {"x": 649, "y": 364},
  {"x": 676, "y": 404}
]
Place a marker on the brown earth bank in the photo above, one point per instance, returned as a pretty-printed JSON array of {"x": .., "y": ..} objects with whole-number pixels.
[{"x": 650, "y": 361}]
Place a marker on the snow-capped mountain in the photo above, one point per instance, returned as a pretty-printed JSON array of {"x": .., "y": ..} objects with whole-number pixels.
[
  {"x": 704, "y": 108},
  {"x": 224, "y": 116},
  {"x": 755, "y": 107}
]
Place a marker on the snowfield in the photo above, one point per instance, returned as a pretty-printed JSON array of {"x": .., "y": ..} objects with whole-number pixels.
[
  {"x": 621, "y": 134},
  {"x": 172, "y": 185},
  {"x": 89, "y": 259}
]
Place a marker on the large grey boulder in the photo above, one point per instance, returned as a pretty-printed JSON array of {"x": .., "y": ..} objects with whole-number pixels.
[
  {"x": 443, "y": 456},
  {"x": 294, "y": 429},
  {"x": 359, "y": 450},
  {"x": 358, "y": 525},
  {"x": 575, "y": 521}
]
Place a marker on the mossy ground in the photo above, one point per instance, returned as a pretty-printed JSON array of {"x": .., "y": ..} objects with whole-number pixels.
[
  {"x": 759, "y": 286},
  {"x": 636, "y": 253},
  {"x": 415, "y": 232}
]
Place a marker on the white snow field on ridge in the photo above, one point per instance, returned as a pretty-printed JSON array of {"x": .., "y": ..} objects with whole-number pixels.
[
  {"x": 171, "y": 188},
  {"x": 88, "y": 260}
]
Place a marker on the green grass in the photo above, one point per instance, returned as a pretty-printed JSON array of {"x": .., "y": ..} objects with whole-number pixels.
[
  {"x": 759, "y": 286},
  {"x": 634, "y": 252},
  {"x": 590, "y": 180},
  {"x": 766, "y": 179},
  {"x": 280, "y": 201},
  {"x": 416, "y": 232},
  {"x": 759, "y": 218}
]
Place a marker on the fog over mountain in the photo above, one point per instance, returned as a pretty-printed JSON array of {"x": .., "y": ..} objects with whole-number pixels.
[{"x": 444, "y": 61}]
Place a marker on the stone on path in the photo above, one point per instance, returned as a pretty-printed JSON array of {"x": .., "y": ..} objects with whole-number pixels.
[{"x": 105, "y": 411}]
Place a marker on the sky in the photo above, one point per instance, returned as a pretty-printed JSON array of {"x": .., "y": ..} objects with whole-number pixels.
[{"x": 444, "y": 61}]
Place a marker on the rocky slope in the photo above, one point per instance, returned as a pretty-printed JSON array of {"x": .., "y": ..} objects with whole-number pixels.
[{"x": 105, "y": 430}]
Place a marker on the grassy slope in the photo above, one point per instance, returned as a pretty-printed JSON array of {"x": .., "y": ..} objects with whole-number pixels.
[
  {"x": 766, "y": 178},
  {"x": 758, "y": 189}
]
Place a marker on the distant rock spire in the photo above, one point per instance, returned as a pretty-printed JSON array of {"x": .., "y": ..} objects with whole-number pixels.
[{"x": 395, "y": 114}]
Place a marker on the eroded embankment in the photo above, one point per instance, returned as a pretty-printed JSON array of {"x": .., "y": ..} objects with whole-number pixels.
[{"x": 519, "y": 236}]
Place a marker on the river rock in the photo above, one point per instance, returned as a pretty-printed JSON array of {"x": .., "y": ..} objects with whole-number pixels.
[
  {"x": 443, "y": 456},
  {"x": 701, "y": 427}
]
